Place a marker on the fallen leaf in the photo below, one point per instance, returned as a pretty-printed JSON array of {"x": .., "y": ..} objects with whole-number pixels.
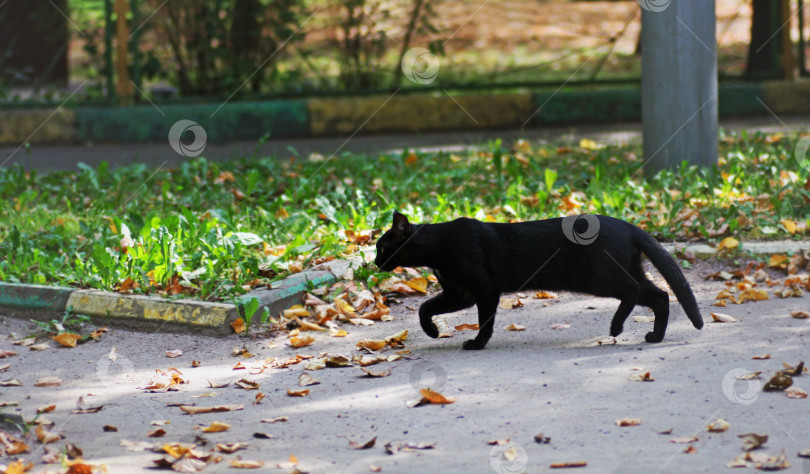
[
  {"x": 467, "y": 327},
  {"x": 4, "y": 354},
  {"x": 374, "y": 468},
  {"x": 110, "y": 428},
  {"x": 260, "y": 435},
  {"x": 194, "y": 410},
  {"x": 279, "y": 419},
  {"x": 5, "y": 367},
  {"x": 397, "y": 339},
  {"x": 67, "y": 339},
  {"x": 39, "y": 347},
  {"x": 723, "y": 318},
  {"x": 239, "y": 326},
  {"x": 292, "y": 462},
  {"x": 297, "y": 393},
  {"x": 394, "y": 447},
  {"x": 793, "y": 371},
  {"x": 305, "y": 380},
  {"x": 371, "y": 345},
  {"x": 510, "y": 303},
  {"x": 800, "y": 314},
  {"x": 750, "y": 375},
  {"x": 779, "y": 381},
  {"x": 795, "y": 392},
  {"x": 230, "y": 448},
  {"x": 540, "y": 439},
  {"x": 46, "y": 409},
  {"x": 690, "y": 449},
  {"x": 561, "y": 326},
  {"x": 418, "y": 284},
  {"x": 515, "y": 327},
  {"x": 690, "y": 439},
  {"x": 376, "y": 374},
  {"x": 302, "y": 341},
  {"x": 247, "y": 384},
  {"x": 729, "y": 243},
  {"x": 644, "y": 319},
  {"x": 11, "y": 383},
  {"x": 367, "y": 445},
  {"x": 216, "y": 427},
  {"x": 241, "y": 464},
  {"x": 96, "y": 335},
  {"x": 545, "y": 295},
  {"x": 761, "y": 357},
  {"x": 498, "y": 442},
  {"x": 51, "y": 381},
  {"x": 565, "y": 465},
  {"x": 217, "y": 385},
  {"x": 718, "y": 426},
  {"x": 174, "y": 353},
  {"x": 628, "y": 422},
  {"x": 752, "y": 441},
  {"x": 645, "y": 377},
  {"x": 156, "y": 433},
  {"x": 45, "y": 437}
]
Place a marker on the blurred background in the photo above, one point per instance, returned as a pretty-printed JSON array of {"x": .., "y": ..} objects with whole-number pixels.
[{"x": 137, "y": 51}]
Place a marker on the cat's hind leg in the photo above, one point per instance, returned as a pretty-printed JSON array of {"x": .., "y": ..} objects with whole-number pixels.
[
  {"x": 447, "y": 301},
  {"x": 487, "y": 306},
  {"x": 658, "y": 300}
]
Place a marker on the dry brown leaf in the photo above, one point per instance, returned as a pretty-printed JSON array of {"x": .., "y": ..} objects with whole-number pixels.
[
  {"x": 242, "y": 464},
  {"x": 194, "y": 410},
  {"x": 156, "y": 433},
  {"x": 239, "y": 326},
  {"x": 779, "y": 381},
  {"x": 297, "y": 393},
  {"x": 247, "y": 384},
  {"x": 750, "y": 375},
  {"x": 230, "y": 448},
  {"x": 729, "y": 243},
  {"x": 561, "y": 326},
  {"x": 752, "y": 441},
  {"x": 358, "y": 445},
  {"x": 515, "y": 327},
  {"x": 305, "y": 380},
  {"x": 174, "y": 353},
  {"x": 216, "y": 427},
  {"x": 545, "y": 295},
  {"x": 279, "y": 419},
  {"x": 723, "y": 318},
  {"x": 761, "y": 357},
  {"x": 644, "y": 377},
  {"x": 685, "y": 440},
  {"x": 296, "y": 311},
  {"x": 4, "y": 354},
  {"x": 565, "y": 465},
  {"x": 510, "y": 303},
  {"x": 375, "y": 374},
  {"x": 467, "y": 327},
  {"x": 435, "y": 397},
  {"x": 800, "y": 314},
  {"x": 371, "y": 345},
  {"x": 396, "y": 340},
  {"x": 690, "y": 449},
  {"x": 628, "y": 422},
  {"x": 718, "y": 426},
  {"x": 644, "y": 319},
  {"x": 67, "y": 339},
  {"x": 11, "y": 383},
  {"x": 302, "y": 341},
  {"x": 795, "y": 392},
  {"x": 44, "y": 436},
  {"x": 51, "y": 381},
  {"x": 292, "y": 462}
]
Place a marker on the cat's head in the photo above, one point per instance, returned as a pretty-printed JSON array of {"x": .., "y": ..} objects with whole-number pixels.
[{"x": 390, "y": 246}]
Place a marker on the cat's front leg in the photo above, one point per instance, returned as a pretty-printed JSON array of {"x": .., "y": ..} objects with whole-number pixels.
[
  {"x": 447, "y": 301},
  {"x": 487, "y": 306}
]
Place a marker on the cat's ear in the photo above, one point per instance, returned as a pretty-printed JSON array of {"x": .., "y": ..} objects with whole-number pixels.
[{"x": 401, "y": 224}]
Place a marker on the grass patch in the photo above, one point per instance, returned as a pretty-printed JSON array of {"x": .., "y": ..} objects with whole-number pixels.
[{"x": 214, "y": 231}]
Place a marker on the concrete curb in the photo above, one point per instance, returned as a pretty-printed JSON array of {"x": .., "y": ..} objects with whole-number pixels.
[
  {"x": 409, "y": 112},
  {"x": 145, "y": 312}
]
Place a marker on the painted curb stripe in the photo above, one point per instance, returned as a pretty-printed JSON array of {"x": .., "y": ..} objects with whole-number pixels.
[
  {"x": 112, "y": 305},
  {"x": 36, "y": 297}
]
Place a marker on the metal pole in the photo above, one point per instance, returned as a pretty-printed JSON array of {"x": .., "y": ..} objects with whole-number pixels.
[
  {"x": 108, "y": 34},
  {"x": 134, "y": 47},
  {"x": 678, "y": 84}
]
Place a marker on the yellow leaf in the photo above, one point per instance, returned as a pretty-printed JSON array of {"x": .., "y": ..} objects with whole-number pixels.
[
  {"x": 397, "y": 338},
  {"x": 435, "y": 397},
  {"x": 301, "y": 341},
  {"x": 337, "y": 332},
  {"x": 67, "y": 339},
  {"x": 297, "y": 310},
  {"x": 729, "y": 243},
  {"x": 790, "y": 226},
  {"x": 418, "y": 284},
  {"x": 216, "y": 427},
  {"x": 778, "y": 260},
  {"x": 297, "y": 393},
  {"x": 371, "y": 344},
  {"x": 515, "y": 327},
  {"x": 723, "y": 318},
  {"x": 588, "y": 144},
  {"x": 411, "y": 159},
  {"x": 344, "y": 307}
]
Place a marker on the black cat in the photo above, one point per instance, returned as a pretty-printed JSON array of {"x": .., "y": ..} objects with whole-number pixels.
[{"x": 476, "y": 261}]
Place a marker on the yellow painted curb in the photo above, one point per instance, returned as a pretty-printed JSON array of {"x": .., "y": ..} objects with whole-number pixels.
[
  {"x": 787, "y": 97},
  {"x": 407, "y": 114},
  {"x": 38, "y": 126},
  {"x": 103, "y": 304}
]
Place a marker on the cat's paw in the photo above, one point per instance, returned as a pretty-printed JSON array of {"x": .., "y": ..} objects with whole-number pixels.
[
  {"x": 430, "y": 328},
  {"x": 615, "y": 331},
  {"x": 473, "y": 345},
  {"x": 653, "y": 337}
]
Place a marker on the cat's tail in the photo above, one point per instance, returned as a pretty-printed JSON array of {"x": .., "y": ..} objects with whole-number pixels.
[{"x": 669, "y": 269}]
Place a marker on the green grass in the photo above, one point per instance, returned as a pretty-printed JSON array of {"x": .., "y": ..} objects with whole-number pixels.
[{"x": 212, "y": 231}]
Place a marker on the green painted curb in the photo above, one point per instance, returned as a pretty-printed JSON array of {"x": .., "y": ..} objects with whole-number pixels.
[
  {"x": 597, "y": 105},
  {"x": 289, "y": 291},
  {"x": 34, "y": 297},
  {"x": 233, "y": 121}
]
